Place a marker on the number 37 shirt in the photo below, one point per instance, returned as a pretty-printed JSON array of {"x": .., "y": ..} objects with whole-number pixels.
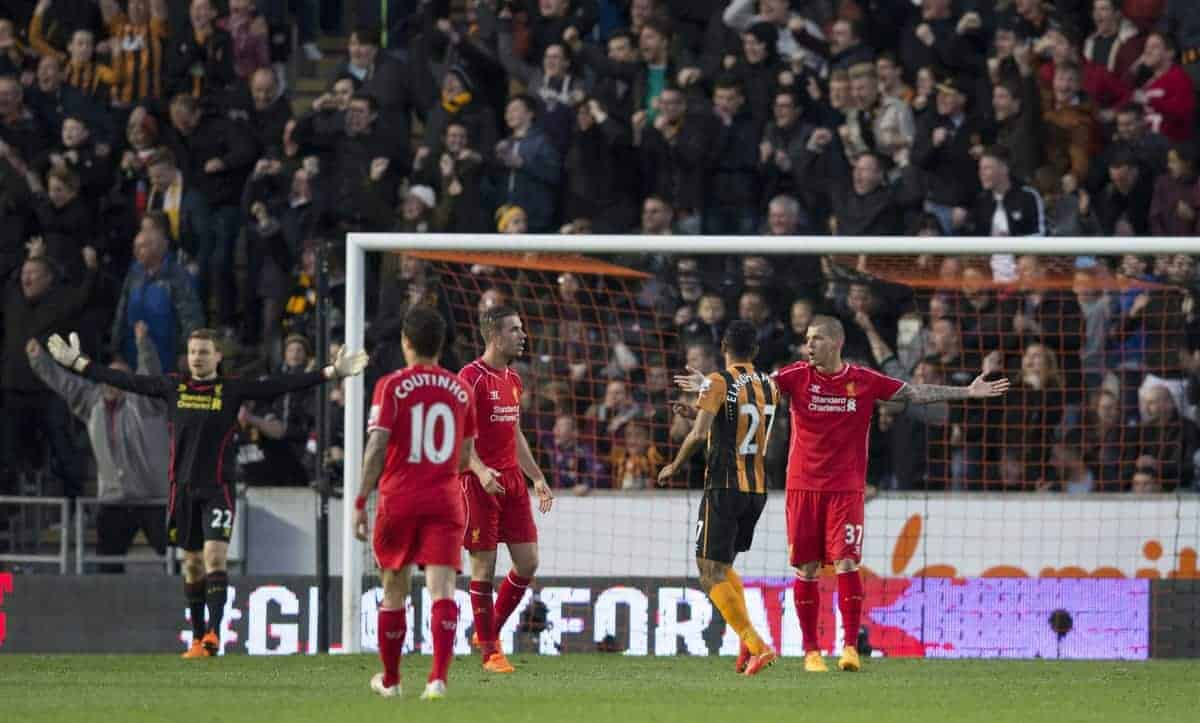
[
  {"x": 428, "y": 412},
  {"x": 831, "y": 423}
]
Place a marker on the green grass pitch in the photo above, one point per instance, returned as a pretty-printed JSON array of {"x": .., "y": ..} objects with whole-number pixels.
[{"x": 585, "y": 688}]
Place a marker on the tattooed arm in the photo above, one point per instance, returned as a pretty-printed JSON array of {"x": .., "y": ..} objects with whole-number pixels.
[{"x": 930, "y": 393}]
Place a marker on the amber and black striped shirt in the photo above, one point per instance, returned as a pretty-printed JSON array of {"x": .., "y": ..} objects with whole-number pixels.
[
  {"x": 91, "y": 78},
  {"x": 742, "y": 400},
  {"x": 138, "y": 59}
]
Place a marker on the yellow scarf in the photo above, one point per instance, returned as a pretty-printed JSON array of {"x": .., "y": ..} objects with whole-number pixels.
[
  {"x": 171, "y": 204},
  {"x": 455, "y": 103}
]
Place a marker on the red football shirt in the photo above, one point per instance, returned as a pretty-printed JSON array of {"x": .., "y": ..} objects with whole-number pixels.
[
  {"x": 831, "y": 423},
  {"x": 498, "y": 412},
  {"x": 428, "y": 412}
]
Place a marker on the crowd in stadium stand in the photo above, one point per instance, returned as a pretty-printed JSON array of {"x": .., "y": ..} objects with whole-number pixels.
[{"x": 154, "y": 170}]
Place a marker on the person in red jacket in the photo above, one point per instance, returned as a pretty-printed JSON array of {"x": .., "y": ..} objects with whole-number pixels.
[
  {"x": 1117, "y": 43},
  {"x": 1106, "y": 90},
  {"x": 1165, "y": 91}
]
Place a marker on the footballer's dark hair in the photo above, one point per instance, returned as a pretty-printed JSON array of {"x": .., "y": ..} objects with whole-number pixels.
[
  {"x": 425, "y": 330},
  {"x": 489, "y": 321},
  {"x": 740, "y": 340}
]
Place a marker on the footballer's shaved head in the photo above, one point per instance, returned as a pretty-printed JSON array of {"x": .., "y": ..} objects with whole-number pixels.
[{"x": 830, "y": 325}]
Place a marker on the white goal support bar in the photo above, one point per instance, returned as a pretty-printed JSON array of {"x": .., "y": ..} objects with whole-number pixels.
[{"x": 357, "y": 244}]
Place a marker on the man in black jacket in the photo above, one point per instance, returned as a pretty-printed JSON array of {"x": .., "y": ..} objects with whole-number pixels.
[
  {"x": 943, "y": 150},
  {"x": 53, "y": 100},
  {"x": 614, "y": 93},
  {"x": 733, "y": 179},
  {"x": 263, "y": 109},
  {"x": 1124, "y": 202},
  {"x": 596, "y": 164},
  {"x": 200, "y": 56},
  {"x": 399, "y": 89},
  {"x": 17, "y": 218},
  {"x": 1017, "y": 109},
  {"x": 1132, "y": 135},
  {"x": 215, "y": 157},
  {"x": 22, "y": 135},
  {"x": 871, "y": 206},
  {"x": 676, "y": 151},
  {"x": 782, "y": 145},
  {"x": 1003, "y": 208},
  {"x": 359, "y": 153},
  {"x": 33, "y": 309}
]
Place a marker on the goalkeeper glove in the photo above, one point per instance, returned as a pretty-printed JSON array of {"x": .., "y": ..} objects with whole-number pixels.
[
  {"x": 346, "y": 365},
  {"x": 67, "y": 353}
]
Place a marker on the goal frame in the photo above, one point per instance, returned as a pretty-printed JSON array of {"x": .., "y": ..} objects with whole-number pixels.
[{"x": 358, "y": 244}]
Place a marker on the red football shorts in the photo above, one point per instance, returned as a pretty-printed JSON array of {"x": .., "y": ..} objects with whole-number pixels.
[
  {"x": 824, "y": 526},
  {"x": 492, "y": 519},
  {"x": 406, "y": 536}
]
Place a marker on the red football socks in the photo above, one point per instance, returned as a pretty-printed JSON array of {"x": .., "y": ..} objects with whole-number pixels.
[
  {"x": 850, "y": 603},
  {"x": 808, "y": 608},
  {"x": 443, "y": 624},
  {"x": 512, "y": 590},
  {"x": 485, "y": 626},
  {"x": 392, "y": 629}
]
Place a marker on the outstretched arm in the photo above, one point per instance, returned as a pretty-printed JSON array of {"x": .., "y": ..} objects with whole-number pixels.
[
  {"x": 67, "y": 353},
  {"x": 690, "y": 382},
  {"x": 74, "y": 389},
  {"x": 691, "y": 443},
  {"x": 277, "y": 386},
  {"x": 930, "y": 393},
  {"x": 530, "y": 467},
  {"x": 344, "y": 365},
  {"x": 150, "y": 386}
]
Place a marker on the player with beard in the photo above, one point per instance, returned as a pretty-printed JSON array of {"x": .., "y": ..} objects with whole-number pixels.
[
  {"x": 735, "y": 412},
  {"x": 500, "y": 510}
]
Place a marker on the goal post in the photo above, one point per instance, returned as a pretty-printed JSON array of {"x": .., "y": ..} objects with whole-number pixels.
[{"x": 358, "y": 245}]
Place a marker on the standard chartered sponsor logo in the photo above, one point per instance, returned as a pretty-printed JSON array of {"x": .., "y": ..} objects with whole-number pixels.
[
  {"x": 832, "y": 404},
  {"x": 510, "y": 413}
]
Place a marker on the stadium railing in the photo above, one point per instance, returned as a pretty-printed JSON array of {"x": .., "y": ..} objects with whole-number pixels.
[{"x": 64, "y": 506}]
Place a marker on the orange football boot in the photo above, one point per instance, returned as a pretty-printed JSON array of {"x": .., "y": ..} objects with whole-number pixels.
[
  {"x": 497, "y": 663},
  {"x": 761, "y": 662},
  {"x": 211, "y": 643},
  {"x": 196, "y": 650}
]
